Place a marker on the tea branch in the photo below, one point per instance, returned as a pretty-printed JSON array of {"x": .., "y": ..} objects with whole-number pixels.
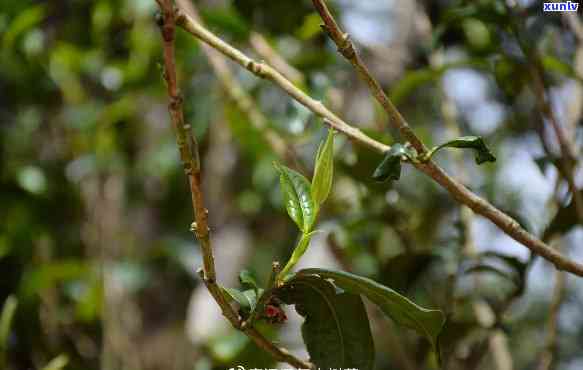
[
  {"x": 456, "y": 189},
  {"x": 188, "y": 148}
]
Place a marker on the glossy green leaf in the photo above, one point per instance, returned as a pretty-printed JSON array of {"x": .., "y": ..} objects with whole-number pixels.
[
  {"x": 426, "y": 322},
  {"x": 297, "y": 197},
  {"x": 390, "y": 166},
  {"x": 6, "y": 318},
  {"x": 324, "y": 171},
  {"x": 336, "y": 329},
  {"x": 476, "y": 143}
]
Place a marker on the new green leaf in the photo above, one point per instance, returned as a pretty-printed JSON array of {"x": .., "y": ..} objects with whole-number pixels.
[
  {"x": 248, "y": 280},
  {"x": 246, "y": 300},
  {"x": 297, "y": 196},
  {"x": 476, "y": 143},
  {"x": 324, "y": 170},
  {"x": 403, "y": 311},
  {"x": 336, "y": 330}
]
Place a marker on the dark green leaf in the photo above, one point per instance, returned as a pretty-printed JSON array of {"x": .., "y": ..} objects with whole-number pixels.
[
  {"x": 324, "y": 170},
  {"x": 514, "y": 263},
  {"x": 491, "y": 269},
  {"x": 402, "y": 271},
  {"x": 505, "y": 266},
  {"x": 336, "y": 329},
  {"x": 403, "y": 311},
  {"x": 565, "y": 219},
  {"x": 390, "y": 166},
  {"x": 297, "y": 196},
  {"x": 476, "y": 143}
]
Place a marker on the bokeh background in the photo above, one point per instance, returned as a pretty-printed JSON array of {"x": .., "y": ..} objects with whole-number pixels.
[{"x": 96, "y": 258}]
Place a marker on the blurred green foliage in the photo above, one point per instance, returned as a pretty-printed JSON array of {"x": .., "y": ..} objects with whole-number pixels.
[{"x": 95, "y": 209}]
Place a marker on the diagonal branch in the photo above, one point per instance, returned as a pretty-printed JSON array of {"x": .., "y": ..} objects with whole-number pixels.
[
  {"x": 478, "y": 205},
  {"x": 348, "y": 51},
  {"x": 189, "y": 156},
  {"x": 263, "y": 70},
  {"x": 456, "y": 189}
]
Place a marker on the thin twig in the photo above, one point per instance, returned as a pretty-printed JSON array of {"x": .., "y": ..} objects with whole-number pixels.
[
  {"x": 190, "y": 159},
  {"x": 568, "y": 161},
  {"x": 498, "y": 340},
  {"x": 235, "y": 91},
  {"x": 263, "y": 70},
  {"x": 549, "y": 356},
  {"x": 348, "y": 51},
  {"x": 456, "y": 189},
  {"x": 569, "y": 153}
]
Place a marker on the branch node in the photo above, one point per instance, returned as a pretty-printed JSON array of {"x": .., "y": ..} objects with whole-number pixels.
[
  {"x": 346, "y": 48},
  {"x": 256, "y": 68}
]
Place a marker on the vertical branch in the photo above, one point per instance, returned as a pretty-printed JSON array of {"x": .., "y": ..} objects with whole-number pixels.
[
  {"x": 549, "y": 356},
  {"x": 189, "y": 156},
  {"x": 187, "y": 144}
]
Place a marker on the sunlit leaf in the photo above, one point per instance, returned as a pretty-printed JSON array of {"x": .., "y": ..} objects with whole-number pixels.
[
  {"x": 297, "y": 196},
  {"x": 324, "y": 171},
  {"x": 24, "y": 21},
  {"x": 49, "y": 274},
  {"x": 336, "y": 330},
  {"x": 58, "y": 363},
  {"x": 6, "y": 318},
  {"x": 426, "y": 322}
]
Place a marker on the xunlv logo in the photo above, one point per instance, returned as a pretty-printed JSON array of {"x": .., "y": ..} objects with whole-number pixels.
[{"x": 567, "y": 6}]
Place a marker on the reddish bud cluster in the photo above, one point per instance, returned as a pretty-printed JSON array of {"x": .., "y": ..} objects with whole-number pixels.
[{"x": 274, "y": 313}]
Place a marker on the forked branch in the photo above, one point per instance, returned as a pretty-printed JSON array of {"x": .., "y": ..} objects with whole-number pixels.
[{"x": 455, "y": 188}]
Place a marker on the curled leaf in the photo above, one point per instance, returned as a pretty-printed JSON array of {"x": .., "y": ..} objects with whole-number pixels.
[
  {"x": 324, "y": 170},
  {"x": 297, "y": 196},
  {"x": 482, "y": 153},
  {"x": 390, "y": 166}
]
